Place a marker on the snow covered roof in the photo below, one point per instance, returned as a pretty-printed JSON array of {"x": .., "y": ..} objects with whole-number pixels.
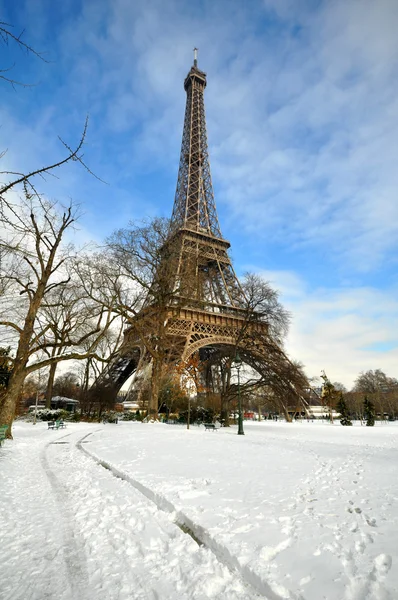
[
  {"x": 57, "y": 399},
  {"x": 130, "y": 405}
]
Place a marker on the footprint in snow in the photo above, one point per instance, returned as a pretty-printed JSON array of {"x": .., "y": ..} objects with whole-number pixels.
[
  {"x": 360, "y": 547},
  {"x": 371, "y": 521},
  {"x": 382, "y": 564}
]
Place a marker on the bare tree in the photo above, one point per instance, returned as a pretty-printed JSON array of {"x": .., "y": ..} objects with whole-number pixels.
[
  {"x": 262, "y": 304},
  {"x": 380, "y": 389},
  {"x": 91, "y": 369},
  {"x": 66, "y": 385},
  {"x": 133, "y": 276},
  {"x": 261, "y": 349},
  {"x": 68, "y": 319},
  {"x": 35, "y": 270},
  {"x": 8, "y": 37}
]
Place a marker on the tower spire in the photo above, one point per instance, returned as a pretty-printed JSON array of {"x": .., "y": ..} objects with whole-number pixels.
[
  {"x": 195, "y": 57},
  {"x": 194, "y": 206}
]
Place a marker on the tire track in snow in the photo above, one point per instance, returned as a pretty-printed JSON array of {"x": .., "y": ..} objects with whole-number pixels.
[
  {"x": 197, "y": 532},
  {"x": 73, "y": 553}
]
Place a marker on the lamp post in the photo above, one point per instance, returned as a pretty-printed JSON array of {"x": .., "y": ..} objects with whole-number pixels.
[
  {"x": 36, "y": 403},
  {"x": 168, "y": 404},
  {"x": 37, "y": 398},
  {"x": 238, "y": 363}
]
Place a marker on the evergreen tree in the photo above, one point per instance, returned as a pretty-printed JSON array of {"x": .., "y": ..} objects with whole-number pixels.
[
  {"x": 369, "y": 412},
  {"x": 343, "y": 410}
]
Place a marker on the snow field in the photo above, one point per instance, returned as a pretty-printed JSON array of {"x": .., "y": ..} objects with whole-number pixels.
[{"x": 302, "y": 511}]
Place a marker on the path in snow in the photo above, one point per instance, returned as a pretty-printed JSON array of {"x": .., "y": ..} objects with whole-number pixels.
[
  {"x": 72, "y": 547},
  {"x": 108, "y": 541},
  {"x": 32, "y": 564},
  {"x": 198, "y": 533}
]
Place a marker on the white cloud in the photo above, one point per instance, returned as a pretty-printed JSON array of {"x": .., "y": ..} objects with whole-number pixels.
[
  {"x": 344, "y": 331},
  {"x": 301, "y": 115}
]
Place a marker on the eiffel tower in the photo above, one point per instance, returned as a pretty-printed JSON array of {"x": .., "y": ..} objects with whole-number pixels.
[{"x": 207, "y": 306}]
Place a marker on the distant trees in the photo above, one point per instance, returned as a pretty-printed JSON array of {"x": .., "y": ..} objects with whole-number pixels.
[
  {"x": 340, "y": 387},
  {"x": 374, "y": 396},
  {"x": 66, "y": 385},
  {"x": 380, "y": 389}
]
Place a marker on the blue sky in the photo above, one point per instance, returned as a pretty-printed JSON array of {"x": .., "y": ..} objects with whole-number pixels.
[{"x": 302, "y": 116}]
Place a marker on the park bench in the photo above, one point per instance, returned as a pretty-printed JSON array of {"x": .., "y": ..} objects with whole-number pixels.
[
  {"x": 210, "y": 427},
  {"x": 3, "y": 429},
  {"x": 56, "y": 425}
]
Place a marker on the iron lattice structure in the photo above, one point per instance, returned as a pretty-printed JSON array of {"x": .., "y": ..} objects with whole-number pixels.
[
  {"x": 204, "y": 272},
  {"x": 194, "y": 206},
  {"x": 207, "y": 303}
]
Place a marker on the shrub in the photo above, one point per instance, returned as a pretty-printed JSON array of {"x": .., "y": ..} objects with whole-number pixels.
[
  {"x": 129, "y": 416},
  {"x": 47, "y": 414},
  {"x": 369, "y": 412},
  {"x": 343, "y": 410}
]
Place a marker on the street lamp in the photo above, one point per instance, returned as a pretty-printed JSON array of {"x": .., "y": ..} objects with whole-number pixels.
[
  {"x": 36, "y": 403},
  {"x": 168, "y": 404},
  {"x": 37, "y": 398},
  {"x": 238, "y": 363}
]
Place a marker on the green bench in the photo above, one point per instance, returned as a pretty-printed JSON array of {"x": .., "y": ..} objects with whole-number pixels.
[
  {"x": 3, "y": 429},
  {"x": 56, "y": 425},
  {"x": 211, "y": 427}
]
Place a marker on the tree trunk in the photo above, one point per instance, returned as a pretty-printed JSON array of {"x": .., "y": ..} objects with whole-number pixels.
[
  {"x": 286, "y": 413},
  {"x": 225, "y": 378},
  {"x": 50, "y": 384},
  {"x": 10, "y": 399},
  {"x": 224, "y": 412}
]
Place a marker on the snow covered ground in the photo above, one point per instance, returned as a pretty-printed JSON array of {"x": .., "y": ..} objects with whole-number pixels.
[{"x": 131, "y": 511}]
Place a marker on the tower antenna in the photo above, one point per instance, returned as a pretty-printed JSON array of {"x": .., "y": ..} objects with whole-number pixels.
[{"x": 195, "y": 57}]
